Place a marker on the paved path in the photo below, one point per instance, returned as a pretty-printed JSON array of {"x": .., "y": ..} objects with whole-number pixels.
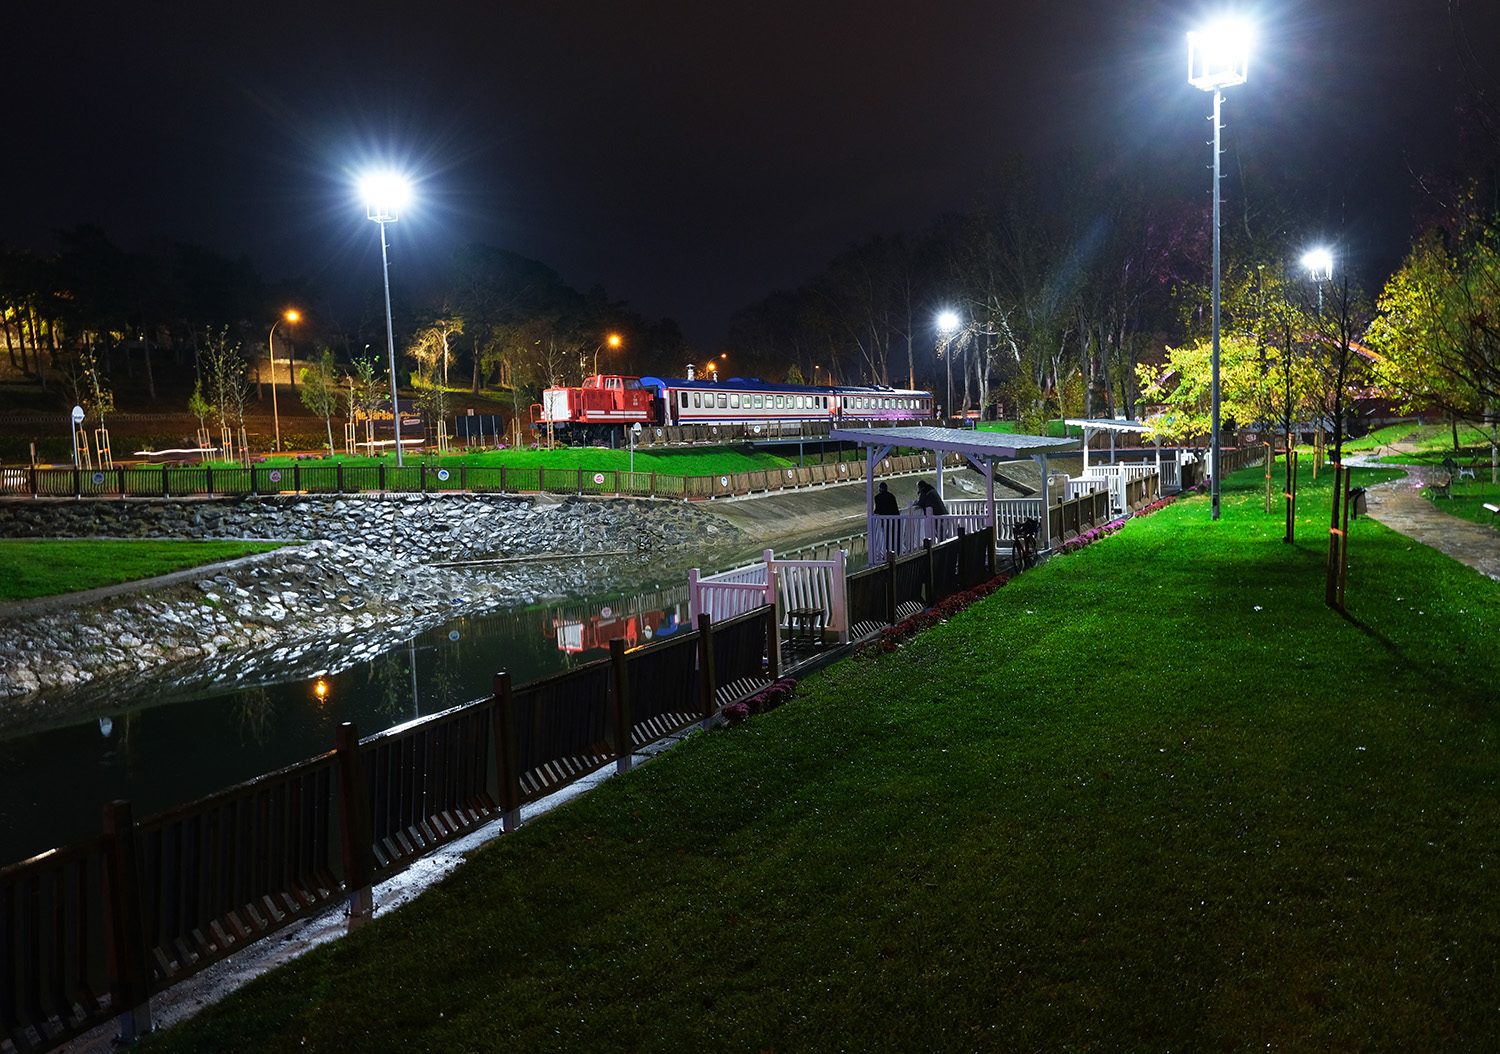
[{"x": 1400, "y": 505}]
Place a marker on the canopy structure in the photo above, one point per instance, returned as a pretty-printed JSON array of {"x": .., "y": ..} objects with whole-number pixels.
[
  {"x": 979, "y": 449},
  {"x": 1112, "y": 425}
]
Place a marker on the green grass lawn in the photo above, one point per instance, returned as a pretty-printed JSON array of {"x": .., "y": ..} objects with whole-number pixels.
[
  {"x": 1151, "y": 796},
  {"x": 707, "y": 461},
  {"x": 41, "y": 568}
]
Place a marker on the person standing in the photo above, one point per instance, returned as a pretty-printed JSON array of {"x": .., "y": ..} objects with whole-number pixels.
[
  {"x": 885, "y": 502},
  {"x": 928, "y": 498}
]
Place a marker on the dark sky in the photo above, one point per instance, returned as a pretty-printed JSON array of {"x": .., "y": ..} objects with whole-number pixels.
[{"x": 690, "y": 156}]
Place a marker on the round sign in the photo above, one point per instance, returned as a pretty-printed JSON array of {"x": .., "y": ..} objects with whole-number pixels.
[
  {"x": 723, "y": 481},
  {"x": 453, "y": 634},
  {"x": 98, "y": 478},
  {"x": 606, "y": 611},
  {"x": 78, "y": 415},
  {"x": 443, "y": 474},
  {"x": 637, "y": 428},
  {"x": 598, "y": 477},
  {"x": 276, "y": 475}
]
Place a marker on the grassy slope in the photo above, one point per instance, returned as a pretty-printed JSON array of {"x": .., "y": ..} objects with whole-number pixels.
[
  {"x": 1151, "y": 796},
  {"x": 39, "y": 568},
  {"x": 702, "y": 462}
]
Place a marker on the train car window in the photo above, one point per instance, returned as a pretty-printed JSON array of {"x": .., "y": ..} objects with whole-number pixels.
[
  {"x": 760, "y": 401},
  {"x": 697, "y": 400},
  {"x": 734, "y": 400},
  {"x": 799, "y": 402},
  {"x": 684, "y": 400},
  {"x": 723, "y": 401}
]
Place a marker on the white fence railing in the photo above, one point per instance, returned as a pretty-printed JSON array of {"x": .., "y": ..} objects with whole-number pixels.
[
  {"x": 907, "y": 532},
  {"x": 794, "y": 585}
]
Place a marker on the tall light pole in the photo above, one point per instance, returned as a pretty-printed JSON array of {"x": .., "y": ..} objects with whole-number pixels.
[
  {"x": 1319, "y": 264},
  {"x": 948, "y": 325},
  {"x": 1217, "y": 59},
  {"x": 289, "y": 316},
  {"x": 384, "y": 196}
]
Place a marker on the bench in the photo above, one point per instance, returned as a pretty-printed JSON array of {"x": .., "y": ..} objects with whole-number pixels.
[
  {"x": 1467, "y": 471},
  {"x": 1491, "y": 509},
  {"x": 1444, "y": 488}
]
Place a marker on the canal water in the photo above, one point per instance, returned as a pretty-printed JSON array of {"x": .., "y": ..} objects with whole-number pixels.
[{"x": 54, "y": 782}]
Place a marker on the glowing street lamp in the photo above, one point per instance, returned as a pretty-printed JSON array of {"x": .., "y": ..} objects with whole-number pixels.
[
  {"x": 1319, "y": 264},
  {"x": 613, "y": 342},
  {"x": 384, "y": 196},
  {"x": 948, "y": 325},
  {"x": 1217, "y": 59},
  {"x": 292, "y": 317}
]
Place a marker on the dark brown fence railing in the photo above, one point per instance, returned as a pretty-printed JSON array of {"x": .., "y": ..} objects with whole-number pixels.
[
  {"x": 90, "y": 931},
  {"x": 884, "y": 594}
]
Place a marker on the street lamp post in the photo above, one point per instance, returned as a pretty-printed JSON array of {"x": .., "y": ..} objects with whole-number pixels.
[
  {"x": 292, "y": 317},
  {"x": 1217, "y": 59},
  {"x": 383, "y": 198},
  {"x": 948, "y": 324},
  {"x": 613, "y": 342},
  {"x": 1319, "y": 264}
]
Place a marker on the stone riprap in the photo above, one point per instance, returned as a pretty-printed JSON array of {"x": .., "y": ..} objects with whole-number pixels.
[{"x": 364, "y": 583}]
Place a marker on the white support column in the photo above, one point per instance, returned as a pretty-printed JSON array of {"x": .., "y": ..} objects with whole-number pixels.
[
  {"x": 1045, "y": 535},
  {"x": 839, "y": 601},
  {"x": 1087, "y": 434},
  {"x": 693, "y": 575},
  {"x": 769, "y": 557}
]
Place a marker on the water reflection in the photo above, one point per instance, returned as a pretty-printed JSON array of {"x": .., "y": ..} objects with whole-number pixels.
[{"x": 53, "y": 782}]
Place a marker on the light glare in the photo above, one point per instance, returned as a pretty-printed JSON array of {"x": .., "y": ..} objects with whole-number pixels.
[
  {"x": 1319, "y": 262},
  {"x": 385, "y": 193},
  {"x": 948, "y": 322},
  {"x": 1219, "y": 56}
]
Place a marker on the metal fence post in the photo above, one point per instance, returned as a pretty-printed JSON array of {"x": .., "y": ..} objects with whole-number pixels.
[
  {"x": 773, "y": 643},
  {"x": 707, "y": 681},
  {"x": 382, "y": 477},
  {"x": 338, "y": 472},
  {"x": 296, "y": 477},
  {"x": 355, "y": 826},
  {"x": 164, "y": 492},
  {"x": 507, "y": 768},
  {"x": 209, "y": 472},
  {"x": 77, "y": 482},
  {"x": 620, "y": 710},
  {"x": 124, "y": 933}
]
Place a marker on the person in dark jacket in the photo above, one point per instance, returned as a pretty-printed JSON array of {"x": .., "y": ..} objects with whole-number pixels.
[
  {"x": 929, "y": 498},
  {"x": 885, "y": 502}
]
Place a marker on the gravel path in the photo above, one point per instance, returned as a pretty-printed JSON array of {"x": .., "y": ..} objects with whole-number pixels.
[{"x": 1399, "y": 505}]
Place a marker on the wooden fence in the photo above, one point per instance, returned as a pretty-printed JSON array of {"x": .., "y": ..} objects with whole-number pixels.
[
  {"x": 884, "y": 594},
  {"x": 182, "y": 481},
  {"x": 92, "y": 930}
]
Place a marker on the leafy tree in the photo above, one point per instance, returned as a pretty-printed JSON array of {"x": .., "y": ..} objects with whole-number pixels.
[{"x": 320, "y": 390}]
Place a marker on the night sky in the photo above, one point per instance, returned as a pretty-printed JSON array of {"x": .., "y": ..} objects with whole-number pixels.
[{"x": 691, "y": 157}]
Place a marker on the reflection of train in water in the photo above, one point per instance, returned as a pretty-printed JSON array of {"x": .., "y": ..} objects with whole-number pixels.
[
  {"x": 606, "y": 405},
  {"x": 580, "y": 628}
]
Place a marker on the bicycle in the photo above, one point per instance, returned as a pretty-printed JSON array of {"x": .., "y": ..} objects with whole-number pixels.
[{"x": 1023, "y": 550}]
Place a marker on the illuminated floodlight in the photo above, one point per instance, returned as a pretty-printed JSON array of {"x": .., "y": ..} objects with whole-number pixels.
[
  {"x": 1219, "y": 57},
  {"x": 1319, "y": 263},
  {"x": 384, "y": 193},
  {"x": 948, "y": 322}
]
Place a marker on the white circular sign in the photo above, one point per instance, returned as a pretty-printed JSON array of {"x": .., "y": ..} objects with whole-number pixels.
[
  {"x": 276, "y": 475},
  {"x": 98, "y": 478},
  {"x": 723, "y": 481},
  {"x": 78, "y": 415},
  {"x": 606, "y": 611},
  {"x": 443, "y": 474},
  {"x": 453, "y": 634},
  {"x": 598, "y": 477}
]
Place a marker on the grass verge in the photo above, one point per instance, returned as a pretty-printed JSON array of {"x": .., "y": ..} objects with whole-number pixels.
[
  {"x": 1153, "y": 795},
  {"x": 32, "y": 568}
]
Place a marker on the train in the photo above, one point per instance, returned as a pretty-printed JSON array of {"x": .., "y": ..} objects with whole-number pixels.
[{"x": 604, "y": 406}]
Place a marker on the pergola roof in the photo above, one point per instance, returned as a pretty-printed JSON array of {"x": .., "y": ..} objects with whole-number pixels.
[
  {"x": 975, "y": 444},
  {"x": 1109, "y": 424}
]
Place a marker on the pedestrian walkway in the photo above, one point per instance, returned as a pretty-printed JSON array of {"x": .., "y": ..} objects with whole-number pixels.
[{"x": 1399, "y": 505}]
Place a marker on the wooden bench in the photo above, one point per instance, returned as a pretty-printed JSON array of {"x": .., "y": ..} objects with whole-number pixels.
[{"x": 1444, "y": 488}]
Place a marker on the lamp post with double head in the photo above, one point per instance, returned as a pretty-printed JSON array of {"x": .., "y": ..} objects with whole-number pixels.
[
  {"x": 384, "y": 196},
  {"x": 1217, "y": 59},
  {"x": 287, "y": 316}
]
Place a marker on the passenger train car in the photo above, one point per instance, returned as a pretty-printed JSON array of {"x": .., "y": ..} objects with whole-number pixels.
[{"x": 607, "y": 404}]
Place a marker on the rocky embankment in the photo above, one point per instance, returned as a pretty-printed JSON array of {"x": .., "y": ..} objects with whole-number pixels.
[{"x": 366, "y": 577}]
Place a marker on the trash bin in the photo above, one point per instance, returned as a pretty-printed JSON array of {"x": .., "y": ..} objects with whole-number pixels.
[{"x": 1356, "y": 502}]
